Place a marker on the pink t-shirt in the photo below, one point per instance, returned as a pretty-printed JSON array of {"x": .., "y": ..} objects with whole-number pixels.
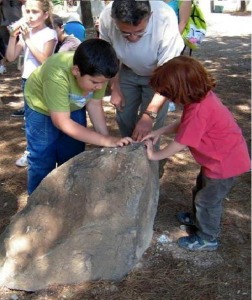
[{"x": 214, "y": 138}]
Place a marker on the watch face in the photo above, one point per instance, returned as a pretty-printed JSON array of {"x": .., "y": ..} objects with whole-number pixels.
[{"x": 151, "y": 114}]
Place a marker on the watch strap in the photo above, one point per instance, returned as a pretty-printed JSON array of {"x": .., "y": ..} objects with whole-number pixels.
[{"x": 151, "y": 114}]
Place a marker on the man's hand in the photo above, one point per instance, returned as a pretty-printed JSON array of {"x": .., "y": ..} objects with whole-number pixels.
[
  {"x": 116, "y": 95},
  {"x": 117, "y": 100},
  {"x": 143, "y": 127}
]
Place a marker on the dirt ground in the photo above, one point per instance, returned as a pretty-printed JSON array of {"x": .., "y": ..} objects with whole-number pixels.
[{"x": 165, "y": 271}]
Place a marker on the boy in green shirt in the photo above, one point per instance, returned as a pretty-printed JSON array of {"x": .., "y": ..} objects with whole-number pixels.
[{"x": 57, "y": 95}]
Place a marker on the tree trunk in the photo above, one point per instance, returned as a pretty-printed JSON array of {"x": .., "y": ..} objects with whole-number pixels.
[
  {"x": 212, "y": 5},
  {"x": 243, "y": 6},
  {"x": 87, "y": 18}
]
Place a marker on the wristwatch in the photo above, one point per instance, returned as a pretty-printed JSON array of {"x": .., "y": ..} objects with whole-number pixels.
[{"x": 151, "y": 114}]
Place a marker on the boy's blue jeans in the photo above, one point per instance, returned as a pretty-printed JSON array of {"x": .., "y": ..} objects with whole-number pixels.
[
  {"x": 48, "y": 147},
  {"x": 208, "y": 196}
]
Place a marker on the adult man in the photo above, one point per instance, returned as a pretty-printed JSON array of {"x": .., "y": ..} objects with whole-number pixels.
[{"x": 144, "y": 35}]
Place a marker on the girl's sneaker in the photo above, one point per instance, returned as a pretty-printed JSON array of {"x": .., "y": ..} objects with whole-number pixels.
[
  {"x": 172, "y": 106},
  {"x": 18, "y": 113},
  {"x": 196, "y": 243},
  {"x": 22, "y": 161},
  {"x": 2, "y": 69}
]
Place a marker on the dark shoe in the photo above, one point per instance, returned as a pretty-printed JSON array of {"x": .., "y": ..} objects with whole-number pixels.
[
  {"x": 185, "y": 218},
  {"x": 161, "y": 167},
  {"x": 196, "y": 243},
  {"x": 189, "y": 229},
  {"x": 18, "y": 113}
]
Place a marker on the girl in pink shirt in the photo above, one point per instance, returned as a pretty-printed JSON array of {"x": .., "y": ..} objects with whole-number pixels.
[{"x": 212, "y": 135}]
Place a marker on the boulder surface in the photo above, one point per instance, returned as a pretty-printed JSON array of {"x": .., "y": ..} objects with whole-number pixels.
[{"x": 90, "y": 219}]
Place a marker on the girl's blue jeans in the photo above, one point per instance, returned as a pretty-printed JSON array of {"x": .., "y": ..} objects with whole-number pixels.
[
  {"x": 47, "y": 146},
  {"x": 208, "y": 196}
]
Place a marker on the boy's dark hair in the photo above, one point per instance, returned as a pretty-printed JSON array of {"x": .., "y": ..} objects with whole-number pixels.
[
  {"x": 96, "y": 57},
  {"x": 130, "y": 11},
  {"x": 182, "y": 79}
]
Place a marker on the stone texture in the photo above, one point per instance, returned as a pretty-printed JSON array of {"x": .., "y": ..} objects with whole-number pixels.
[{"x": 90, "y": 219}]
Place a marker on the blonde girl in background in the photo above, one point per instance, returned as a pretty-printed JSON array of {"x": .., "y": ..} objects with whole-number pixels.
[{"x": 38, "y": 42}]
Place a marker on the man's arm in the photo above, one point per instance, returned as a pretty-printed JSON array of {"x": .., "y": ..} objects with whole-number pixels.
[
  {"x": 116, "y": 95},
  {"x": 144, "y": 125},
  {"x": 166, "y": 130}
]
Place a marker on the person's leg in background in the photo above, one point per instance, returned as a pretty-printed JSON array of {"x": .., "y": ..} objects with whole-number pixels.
[
  {"x": 22, "y": 161},
  {"x": 131, "y": 91},
  {"x": 3, "y": 69},
  {"x": 20, "y": 112}
]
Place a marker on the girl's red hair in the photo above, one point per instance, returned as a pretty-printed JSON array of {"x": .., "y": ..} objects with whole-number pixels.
[{"x": 182, "y": 79}]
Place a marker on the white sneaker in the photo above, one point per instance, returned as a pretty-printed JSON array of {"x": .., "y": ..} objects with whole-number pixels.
[
  {"x": 22, "y": 161},
  {"x": 172, "y": 106},
  {"x": 2, "y": 69}
]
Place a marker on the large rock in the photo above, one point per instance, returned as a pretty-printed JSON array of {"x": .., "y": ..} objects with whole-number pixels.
[{"x": 90, "y": 219}]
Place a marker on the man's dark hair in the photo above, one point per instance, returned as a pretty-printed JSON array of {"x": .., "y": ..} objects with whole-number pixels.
[
  {"x": 130, "y": 11},
  {"x": 96, "y": 57}
]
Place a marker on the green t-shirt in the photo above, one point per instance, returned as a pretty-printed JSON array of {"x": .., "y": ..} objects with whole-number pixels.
[{"x": 52, "y": 87}]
